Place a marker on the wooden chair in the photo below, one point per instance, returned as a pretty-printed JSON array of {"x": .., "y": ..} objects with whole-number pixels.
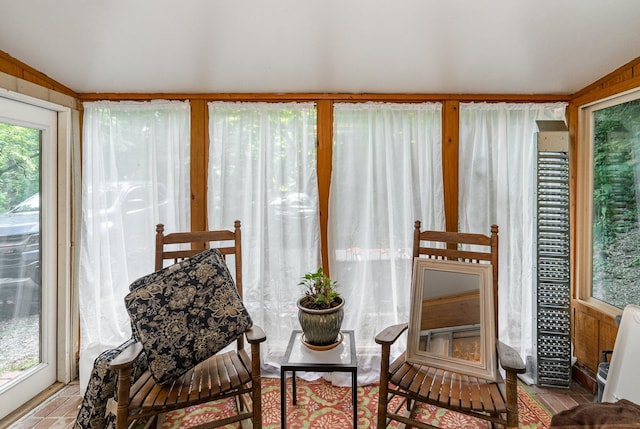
[
  {"x": 224, "y": 375},
  {"x": 495, "y": 402}
]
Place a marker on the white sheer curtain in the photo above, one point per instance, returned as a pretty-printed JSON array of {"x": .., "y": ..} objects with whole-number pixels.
[
  {"x": 386, "y": 174},
  {"x": 262, "y": 171},
  {"x": 135, "y": 166},
  {"x": 497, "y": 185}
]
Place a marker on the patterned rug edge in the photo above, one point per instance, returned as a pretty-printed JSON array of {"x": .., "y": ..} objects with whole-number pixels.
[
  {"x": 322, "y": 405},
  {"x": 530, "y": 395}
]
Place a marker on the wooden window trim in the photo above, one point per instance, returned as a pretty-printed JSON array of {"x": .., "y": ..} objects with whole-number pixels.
[{"x": 583, "y": 238}]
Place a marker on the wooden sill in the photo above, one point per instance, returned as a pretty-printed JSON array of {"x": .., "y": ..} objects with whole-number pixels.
[{"x": 597, "y": 308}]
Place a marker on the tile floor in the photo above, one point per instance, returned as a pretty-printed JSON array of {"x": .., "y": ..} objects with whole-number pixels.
[
  {"x": 59, "y": 411},
  {"x": 559, "y": 399}
]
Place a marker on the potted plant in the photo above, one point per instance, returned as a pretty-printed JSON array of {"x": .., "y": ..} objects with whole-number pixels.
[{"x": 321, "y": 309}]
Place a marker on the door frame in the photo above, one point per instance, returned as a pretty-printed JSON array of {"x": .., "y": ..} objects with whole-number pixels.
[{"x": 67, "y": 313}]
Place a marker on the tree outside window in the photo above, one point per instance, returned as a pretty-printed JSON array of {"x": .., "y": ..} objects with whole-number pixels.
[{"x": 616, "y": 191}]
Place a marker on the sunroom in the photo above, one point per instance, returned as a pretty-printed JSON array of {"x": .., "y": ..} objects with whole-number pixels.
[{"x": 327, "y": 130}]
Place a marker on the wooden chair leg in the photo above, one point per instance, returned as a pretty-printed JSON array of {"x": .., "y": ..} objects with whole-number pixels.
[
  {"x": 124, "y": 386},
  {"x": 512, "y": 399},
  {"x": 256, "y": 384},
  {"x": 384, "y": 387}
]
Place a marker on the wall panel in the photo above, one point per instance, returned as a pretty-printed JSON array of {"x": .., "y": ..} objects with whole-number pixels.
[
  {"x": 594, "y": 330},
  {"x": 586, "y": 333}
]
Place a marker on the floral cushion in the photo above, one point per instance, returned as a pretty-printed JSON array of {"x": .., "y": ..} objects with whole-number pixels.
[
  {"x": 162, "y": 273},
  {"x": 184, "y": 313},
  {"x": 101, "y": 387}
]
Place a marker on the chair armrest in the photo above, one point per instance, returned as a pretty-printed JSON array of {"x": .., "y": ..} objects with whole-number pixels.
[
  {"x": 390, "y": 334},
  {"x": 127, "y": 357},
  {"x": 509, "y": 359},
  {"x": 255, "y": 335}
]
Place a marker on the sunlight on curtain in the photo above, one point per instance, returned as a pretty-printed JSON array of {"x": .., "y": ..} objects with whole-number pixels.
[
  {"x": 135, "y": 165},
  {"x": 387, "y": 173},
  {"x": 262, "y": 171},
  {"x": 497, "y": 185}
]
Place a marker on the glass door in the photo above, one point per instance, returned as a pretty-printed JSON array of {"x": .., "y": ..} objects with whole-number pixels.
[{"x": 27, "y": 252}]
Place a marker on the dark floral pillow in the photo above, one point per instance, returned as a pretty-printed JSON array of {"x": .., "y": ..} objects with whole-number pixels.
[
  {"x": 162, "y": 273},
  {"x": 102, "y": 387},
  {"x": 185, "y": 313}
]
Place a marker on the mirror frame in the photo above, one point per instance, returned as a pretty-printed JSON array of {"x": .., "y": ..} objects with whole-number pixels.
[{"x": 487, "y": 367}]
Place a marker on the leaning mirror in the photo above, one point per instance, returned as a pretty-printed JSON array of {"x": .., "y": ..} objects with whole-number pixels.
[{"x": 452, "y": 323}]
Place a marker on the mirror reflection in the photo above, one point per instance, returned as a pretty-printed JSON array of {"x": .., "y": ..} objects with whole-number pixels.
[{"x": 450, "y": 315}]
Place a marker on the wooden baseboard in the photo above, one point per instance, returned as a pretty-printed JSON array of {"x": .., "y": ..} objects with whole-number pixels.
[{"x": 585, "y": 377}]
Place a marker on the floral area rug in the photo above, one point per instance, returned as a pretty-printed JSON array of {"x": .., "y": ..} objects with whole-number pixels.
[{"x": 322, "y": 405}]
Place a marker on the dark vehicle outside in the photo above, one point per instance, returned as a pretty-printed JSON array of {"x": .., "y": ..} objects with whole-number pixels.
[{"x": 20, "y": 241}]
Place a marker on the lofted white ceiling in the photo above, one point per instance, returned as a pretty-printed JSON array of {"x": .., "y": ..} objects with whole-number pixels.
[{"x": 351, "y": 46}]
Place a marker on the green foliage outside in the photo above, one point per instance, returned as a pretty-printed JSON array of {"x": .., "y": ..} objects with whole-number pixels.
[
  {"x": 253, "y": 127},
  {"x": 616, "y": 187},
  {"x": 19, "y": 164},
  {"x": 21, "y": 364}
]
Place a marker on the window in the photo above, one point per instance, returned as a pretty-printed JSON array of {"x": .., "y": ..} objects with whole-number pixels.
[
  {"x": 613, "y": 132},
  {"x": 262, "y": 172},
  {"x": 136, "y": 161},
  {"x": 386, "y": 174},
  {"x": 497, "y": 185}
]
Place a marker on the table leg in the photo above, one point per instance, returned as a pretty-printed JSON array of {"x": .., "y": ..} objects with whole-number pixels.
[
  {"x": 354, "y": 390},
  {"x": 283, "y": 399},
  {"x": 293, "y": 388}
]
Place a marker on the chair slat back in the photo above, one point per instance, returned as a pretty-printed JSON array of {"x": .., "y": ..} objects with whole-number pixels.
[
  {"x": 226, "y": 241},
  {"x": 460, "y": 246}
]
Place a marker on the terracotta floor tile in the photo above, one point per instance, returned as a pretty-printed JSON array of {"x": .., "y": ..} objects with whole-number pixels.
[
  {"x": 26, "y": 423},
  {"x": 72, "y": 389},
  {"x": 70, "y": 405},
  {"x": 50, "y": 406},
  {"x": 62, "y": 423},
  {"x": 44, "y": 424}
]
